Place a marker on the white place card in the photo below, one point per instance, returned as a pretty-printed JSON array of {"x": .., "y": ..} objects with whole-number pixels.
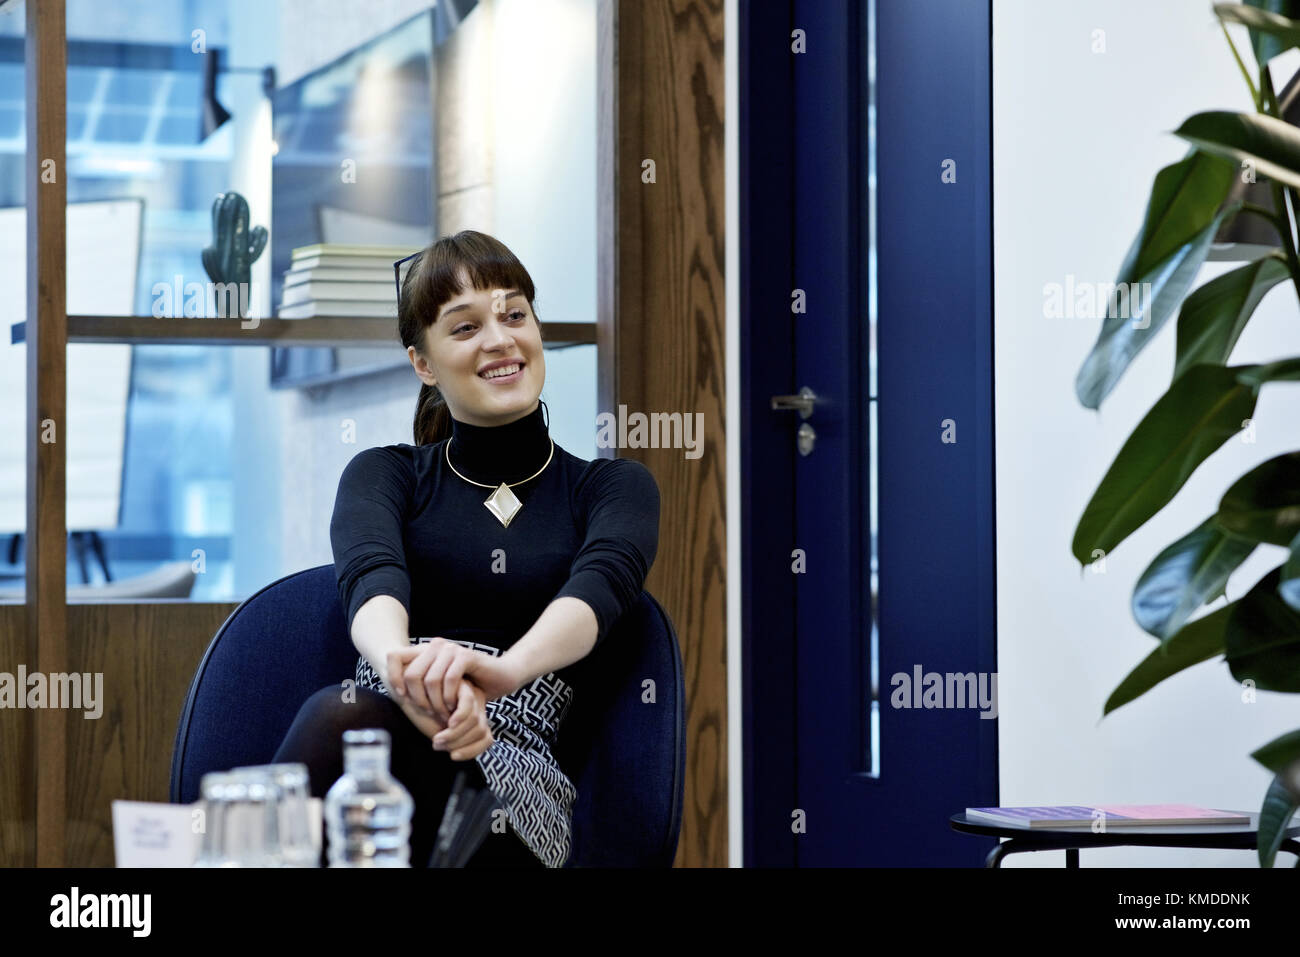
[
  {"x": 148, "y": 834},
  {"x": 152, "y": 834}
]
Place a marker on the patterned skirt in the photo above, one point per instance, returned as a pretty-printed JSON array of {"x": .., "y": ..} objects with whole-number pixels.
[{"x": 538, "y": 797}]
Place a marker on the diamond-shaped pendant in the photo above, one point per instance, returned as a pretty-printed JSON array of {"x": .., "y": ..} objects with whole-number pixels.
[{"x": 503, "y": 504}]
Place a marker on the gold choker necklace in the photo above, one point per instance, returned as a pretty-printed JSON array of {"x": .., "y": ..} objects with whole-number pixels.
[{"x": 502, "y": 503}]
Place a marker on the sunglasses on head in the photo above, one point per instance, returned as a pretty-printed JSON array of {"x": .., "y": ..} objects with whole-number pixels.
[{"x": 397, "y": 271}]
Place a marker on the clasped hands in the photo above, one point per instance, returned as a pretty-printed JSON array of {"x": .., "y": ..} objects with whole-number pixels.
[{"x": 449, "y": 685}]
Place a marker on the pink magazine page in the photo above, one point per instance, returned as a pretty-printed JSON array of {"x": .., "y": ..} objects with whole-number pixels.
[{"x": 1148, "y": 812}]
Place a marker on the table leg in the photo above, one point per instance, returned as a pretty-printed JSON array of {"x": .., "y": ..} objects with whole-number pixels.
[
  {"x": 995, "y": 856},
  {"x": 1015, "y": 846}
]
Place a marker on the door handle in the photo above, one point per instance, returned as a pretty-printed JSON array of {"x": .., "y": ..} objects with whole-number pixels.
[{"x": 802, "y": 403}]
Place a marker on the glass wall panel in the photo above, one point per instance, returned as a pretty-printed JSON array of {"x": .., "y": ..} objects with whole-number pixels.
[
  {"x": 13, "y": 305},
  {"x": 210, "y": 470}
]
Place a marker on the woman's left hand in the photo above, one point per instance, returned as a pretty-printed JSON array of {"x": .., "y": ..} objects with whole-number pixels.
[{"x": 469, "y": 733}]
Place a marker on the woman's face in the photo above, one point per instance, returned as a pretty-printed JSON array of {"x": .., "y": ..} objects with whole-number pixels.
[{"x": 478, "y": 331}]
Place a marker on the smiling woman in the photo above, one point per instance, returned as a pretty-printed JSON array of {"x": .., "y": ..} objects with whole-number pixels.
[{"x": 469, "y": 614}]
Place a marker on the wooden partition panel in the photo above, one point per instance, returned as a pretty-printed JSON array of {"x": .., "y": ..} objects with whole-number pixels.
[
  {"x": 146, "y": 654},
  {"x": 47, "y": 426},
  {"x": 17, "y": 752},
  {"x": 662, "y": 337}
]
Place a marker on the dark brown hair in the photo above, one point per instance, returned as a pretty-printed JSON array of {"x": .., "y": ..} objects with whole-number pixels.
[{"x": 433, "y": 280}]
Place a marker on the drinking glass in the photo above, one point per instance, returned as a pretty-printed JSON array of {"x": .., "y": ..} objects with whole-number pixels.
[{"x": 242, "y": 819}]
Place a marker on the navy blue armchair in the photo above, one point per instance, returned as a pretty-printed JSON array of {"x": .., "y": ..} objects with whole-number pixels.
[{"x": 626, "y": 758}]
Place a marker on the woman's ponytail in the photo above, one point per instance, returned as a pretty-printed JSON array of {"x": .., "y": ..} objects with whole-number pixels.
[{"x": 432, "y": 417}]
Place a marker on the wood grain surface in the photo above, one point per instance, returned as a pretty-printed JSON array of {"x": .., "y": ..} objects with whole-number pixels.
[{"x": 662, "y": 344}]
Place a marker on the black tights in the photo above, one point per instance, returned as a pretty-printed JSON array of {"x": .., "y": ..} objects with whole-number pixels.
[{"x": 316, "y": 739}]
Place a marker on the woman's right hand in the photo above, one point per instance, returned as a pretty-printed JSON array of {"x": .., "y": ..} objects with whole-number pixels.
[{"x": 406, "y": 668}]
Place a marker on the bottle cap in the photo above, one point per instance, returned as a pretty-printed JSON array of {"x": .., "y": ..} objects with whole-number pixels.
[{"x": 366, "y": 736}]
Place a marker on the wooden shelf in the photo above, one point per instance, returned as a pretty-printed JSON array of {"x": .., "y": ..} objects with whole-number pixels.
[{"x": 326, "y": 331}]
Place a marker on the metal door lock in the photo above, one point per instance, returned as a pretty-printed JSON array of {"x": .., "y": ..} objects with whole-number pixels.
[{"x": 805, "y": 438}]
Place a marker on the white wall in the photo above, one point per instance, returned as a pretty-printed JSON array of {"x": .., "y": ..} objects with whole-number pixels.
[
  {"x": 544, "y": 117},
  {"x": 544, "y": 183},
  {"x": 1078, "y": 137}
]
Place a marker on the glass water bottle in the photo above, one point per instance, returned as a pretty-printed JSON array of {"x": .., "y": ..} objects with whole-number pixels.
[{"x": 367, "y": 810}]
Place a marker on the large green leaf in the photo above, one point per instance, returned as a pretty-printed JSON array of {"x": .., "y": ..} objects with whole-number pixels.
[
  {"x": 1185, "y": 198},
  {"x": 1270, "y": 144},
  {"x": 1201, "y": 410},
  {"x": 1186, "y": 575},
  {"x": 1274, "y": 818},
  {"x": 1214, "y": 316},
  {"x": 1195, "y": 642},
  {"x": 1266, "y": 45},
  {"x": 1284, "y": 370},
  {"x": 1271, "y": 32},
  {"x": 1288, "y": 585},
  {"x": 1280, "y": 752},
  {"x": 1182, "y": 219},
  {"x": 1264, "y": 504},
  {"x": 1262, "y": 639}
]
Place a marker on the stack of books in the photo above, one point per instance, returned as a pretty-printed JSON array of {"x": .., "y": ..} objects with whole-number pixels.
[
  {"x": 332, "y": 279},
  {"x": 1110, "y": 815}
]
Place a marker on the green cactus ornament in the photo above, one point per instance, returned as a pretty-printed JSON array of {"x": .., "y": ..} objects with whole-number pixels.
[{"x": 234, "y": 246}]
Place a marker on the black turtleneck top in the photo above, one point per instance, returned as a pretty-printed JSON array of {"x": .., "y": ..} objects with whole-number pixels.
[{"x": 406, "y": 525}]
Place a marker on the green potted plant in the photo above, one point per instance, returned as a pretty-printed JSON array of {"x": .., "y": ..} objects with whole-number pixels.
[{"x": 1208, "y": 402}]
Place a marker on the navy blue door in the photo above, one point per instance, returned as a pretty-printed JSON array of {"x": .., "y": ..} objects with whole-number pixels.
[{"x": 868, "y": 564}]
